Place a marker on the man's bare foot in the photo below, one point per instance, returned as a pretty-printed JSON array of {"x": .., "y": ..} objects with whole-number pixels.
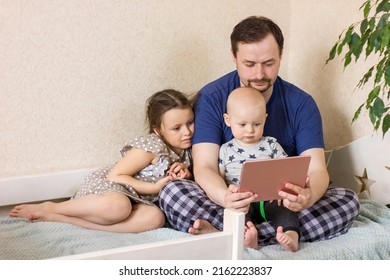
[
  {"x": 288, "y": 240},
  {"x": 33, "y": 212},
  {"x": 250, "y": 236},
  {"x": 201, "y": 227}
]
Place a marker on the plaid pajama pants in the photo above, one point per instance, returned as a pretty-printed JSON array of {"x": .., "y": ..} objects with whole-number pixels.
[{"x": 183, "y": 202}]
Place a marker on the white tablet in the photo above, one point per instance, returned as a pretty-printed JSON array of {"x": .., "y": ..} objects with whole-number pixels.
[{"x": 267, "y": 177}]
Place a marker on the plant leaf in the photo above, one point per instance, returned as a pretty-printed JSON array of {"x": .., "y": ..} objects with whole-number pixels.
[
  {"x": 383, "y": 6},
  {"x": 372, "y": 95},
  {"x": 379, "y": 71},
  {"x": 373, "y": 41},
  {"x": 370, "y": 35},
  {"x": 357, "y": 113},
  {"x": 372, "y": 115},
  {"x": 378, "y": 107},
  {"x": 367, "y": 8},
  {"x": 385, "y": 36},
  {"x": 347, "y": 59},
  {"x": 332, "y": 53},
  {"x": 377, "y": 123},
  {"x": 386, "y": 124},
  {"x": 363, "y": 26},
  {"x": 354, "y": 45},
  {"x": 365, "y": 78},
  {"x": 348, "y": 34},
  {"x": 387, "y": 74},
  {"x": 371, "y": 23},
  {"x": 340, "y": 49}
]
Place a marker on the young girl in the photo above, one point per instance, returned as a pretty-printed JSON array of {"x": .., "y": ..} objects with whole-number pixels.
[{"x": 122, "y": 197}]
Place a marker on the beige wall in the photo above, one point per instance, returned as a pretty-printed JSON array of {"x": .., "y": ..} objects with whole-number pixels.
[{"x": 74, "y": 75}]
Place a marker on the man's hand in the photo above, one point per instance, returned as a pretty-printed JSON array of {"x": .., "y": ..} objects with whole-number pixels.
[
  {"x": 301, "y": 200},
  {"x": 238, "y": 200}
]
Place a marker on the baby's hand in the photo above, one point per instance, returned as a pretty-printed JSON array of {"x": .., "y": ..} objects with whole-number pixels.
[{"x": 279, "y": 201}]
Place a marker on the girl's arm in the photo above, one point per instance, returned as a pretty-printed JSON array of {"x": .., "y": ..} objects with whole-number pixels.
[{"x": 134, "y": 161}]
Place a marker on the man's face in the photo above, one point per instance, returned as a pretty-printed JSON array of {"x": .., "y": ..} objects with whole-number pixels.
[{"x": 258, "y": 64}]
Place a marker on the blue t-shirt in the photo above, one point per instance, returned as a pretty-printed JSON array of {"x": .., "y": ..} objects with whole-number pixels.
[{"x": 293, "y": 116}]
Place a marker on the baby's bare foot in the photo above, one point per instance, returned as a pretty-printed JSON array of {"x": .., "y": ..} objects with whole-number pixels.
[
  {"x": 288, "y": 240},
  {"x": 250, "y": 236}
]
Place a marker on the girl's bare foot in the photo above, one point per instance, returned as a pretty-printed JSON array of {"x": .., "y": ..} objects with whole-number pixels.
[
  {"x": 201, "y": 227},
  {"x": 250, "y": 236},
  {"x": 33, "y": 212},
  {"x": 288, "y": 240}
]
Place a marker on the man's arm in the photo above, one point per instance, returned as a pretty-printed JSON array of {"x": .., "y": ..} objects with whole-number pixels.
[
  {"x": 318, "y": 174},
  {"x": 206, "y": 172}
]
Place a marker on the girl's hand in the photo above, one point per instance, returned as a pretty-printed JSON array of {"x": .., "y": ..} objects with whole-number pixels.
[{"x": 179, "y": 170}]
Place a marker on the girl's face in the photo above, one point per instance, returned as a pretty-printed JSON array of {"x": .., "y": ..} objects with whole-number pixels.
[{"x": 177, "y": 128}]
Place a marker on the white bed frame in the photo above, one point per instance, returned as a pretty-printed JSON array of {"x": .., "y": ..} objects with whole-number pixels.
[{"x": 224, "y": 245}]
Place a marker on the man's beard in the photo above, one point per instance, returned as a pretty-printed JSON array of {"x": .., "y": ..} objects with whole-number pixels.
[{"x": 268, "y": 81}]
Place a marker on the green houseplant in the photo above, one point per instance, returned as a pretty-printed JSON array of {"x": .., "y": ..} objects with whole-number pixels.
[{"x": 370, "y": 36}]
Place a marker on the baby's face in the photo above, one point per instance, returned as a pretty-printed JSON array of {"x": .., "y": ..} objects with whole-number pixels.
[{"x": 247, "y": 124}]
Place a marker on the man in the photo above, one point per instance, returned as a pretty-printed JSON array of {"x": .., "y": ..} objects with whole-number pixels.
[{"x": 293, "y": 119}]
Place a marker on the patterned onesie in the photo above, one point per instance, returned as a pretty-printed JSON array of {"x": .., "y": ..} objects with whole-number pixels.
[{"x": 231, "y": 158}]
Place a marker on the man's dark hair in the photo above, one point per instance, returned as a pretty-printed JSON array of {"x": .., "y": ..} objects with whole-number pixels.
[{"x": 254, "y": 29}]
